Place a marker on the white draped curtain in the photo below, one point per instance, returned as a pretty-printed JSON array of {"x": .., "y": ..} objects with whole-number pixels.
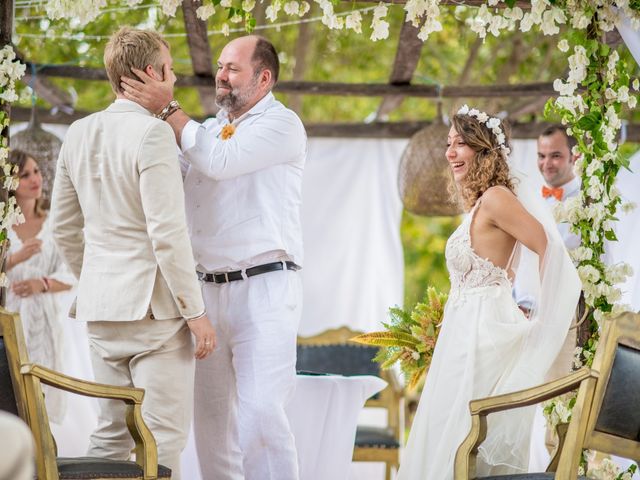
[{"x": 351, "y": 211}]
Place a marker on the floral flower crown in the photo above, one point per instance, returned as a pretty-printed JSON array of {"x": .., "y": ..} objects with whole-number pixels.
[{"x": 492, "y": 124}]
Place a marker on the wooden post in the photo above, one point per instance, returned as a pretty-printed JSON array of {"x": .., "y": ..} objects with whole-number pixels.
[
  {"x": 6, "y": 29},
  {"x": 201, "y": 58}
]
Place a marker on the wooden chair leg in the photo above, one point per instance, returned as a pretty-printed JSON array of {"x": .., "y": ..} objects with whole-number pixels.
[{"x": 387, "y": 474}]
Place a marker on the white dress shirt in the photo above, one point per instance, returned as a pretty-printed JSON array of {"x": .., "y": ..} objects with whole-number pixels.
[
  {"x": 570, "y": 189},
  {"x": 243, "y": 194}
]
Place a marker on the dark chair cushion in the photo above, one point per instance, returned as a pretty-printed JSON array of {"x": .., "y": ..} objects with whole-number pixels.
[
  {"x": 340, "y": 359},
  {"x": 620, "y": 414},
  {"x": 89, "y": 467},
  {"x": 375, "y": 437},
  {"x": 526, "y": 476},
  {"x": 7, "y": 397}
]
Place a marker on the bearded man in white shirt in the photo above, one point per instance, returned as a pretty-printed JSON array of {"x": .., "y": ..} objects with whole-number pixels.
[
  {"x": 243, "y": 182},
  {"x": 119, "y": 222}
]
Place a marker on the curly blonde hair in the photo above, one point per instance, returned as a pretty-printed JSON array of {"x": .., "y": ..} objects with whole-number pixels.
[{"x": 489, "y": 166}]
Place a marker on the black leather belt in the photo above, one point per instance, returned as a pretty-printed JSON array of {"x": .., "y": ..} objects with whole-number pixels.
[{"x": 225, "y": 277}]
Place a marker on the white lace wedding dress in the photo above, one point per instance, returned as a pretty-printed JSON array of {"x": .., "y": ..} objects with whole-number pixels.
[{"x": 482, "y": 350}]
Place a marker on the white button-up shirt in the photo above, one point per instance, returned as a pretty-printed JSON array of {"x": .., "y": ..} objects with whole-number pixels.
[
  {"x": 243, "y": 193},
  {"x": 570, "y": 189}
]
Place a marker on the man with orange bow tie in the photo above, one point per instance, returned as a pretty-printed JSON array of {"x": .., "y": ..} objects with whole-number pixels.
[{"x": 556, "y": 162}]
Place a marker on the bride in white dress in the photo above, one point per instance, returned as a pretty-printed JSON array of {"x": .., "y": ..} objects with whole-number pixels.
[{"x": 487, "y": 345}]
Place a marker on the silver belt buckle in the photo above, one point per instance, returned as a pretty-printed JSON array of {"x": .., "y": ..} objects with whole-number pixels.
[{"x": 226, "y": 277}]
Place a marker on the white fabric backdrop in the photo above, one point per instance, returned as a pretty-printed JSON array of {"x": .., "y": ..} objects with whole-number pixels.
[
  {"x": 630, "y": 36},
  {"x": 628, "y": 231},
  {"x": 351, "y": 211}
]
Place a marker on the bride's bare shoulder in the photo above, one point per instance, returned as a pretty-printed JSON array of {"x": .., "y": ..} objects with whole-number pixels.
[
  {"x": 502, "y": 207},
  {"x": 497, "y": 195}
]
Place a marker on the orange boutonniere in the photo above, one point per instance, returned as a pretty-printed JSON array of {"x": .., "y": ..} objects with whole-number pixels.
[{"x": 227, "y": 131}]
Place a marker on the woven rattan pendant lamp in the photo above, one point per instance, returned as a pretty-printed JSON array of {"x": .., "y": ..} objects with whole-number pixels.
[
  {"x": 44, "y": 147},
  {"x": 424, "y": 175}
]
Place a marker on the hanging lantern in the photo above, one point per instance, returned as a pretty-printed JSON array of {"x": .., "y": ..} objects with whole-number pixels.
[
  {"x": 424, "y": 175},
  {"x": 44, "y": 147}
]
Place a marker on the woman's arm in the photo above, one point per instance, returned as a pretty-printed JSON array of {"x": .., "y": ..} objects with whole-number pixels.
[
  {"x": 33, "y": 286},
  {"x": 55, "y": 286},
  {"x": 507, "y": 213}
]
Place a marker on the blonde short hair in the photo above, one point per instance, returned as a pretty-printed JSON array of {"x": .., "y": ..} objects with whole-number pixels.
[{"x": 131, "y": 48}]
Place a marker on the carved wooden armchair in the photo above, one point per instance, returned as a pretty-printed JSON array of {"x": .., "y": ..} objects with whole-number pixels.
[
  {"x": 21, "y": 394},
  {"x": 331, "y": 352},
  {"x": 606, "y": 416}
]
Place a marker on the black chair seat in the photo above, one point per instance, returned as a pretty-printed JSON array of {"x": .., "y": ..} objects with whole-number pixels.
[
  {"x": 375, "y": 437},
  {"x": 90, "y": 467},
  {"x": 526, "y": 476}
]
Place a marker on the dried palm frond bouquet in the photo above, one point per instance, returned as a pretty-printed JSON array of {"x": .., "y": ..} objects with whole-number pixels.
[{"x": 410, "y": 337}]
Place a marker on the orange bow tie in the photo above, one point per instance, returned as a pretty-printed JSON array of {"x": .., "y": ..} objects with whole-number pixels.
[{"x": 555, "y": 192}]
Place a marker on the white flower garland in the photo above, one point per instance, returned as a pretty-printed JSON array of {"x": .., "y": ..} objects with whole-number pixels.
[
  {"x": 10, "y": 71},
  {"x": 492, "y": 123},
  {"x": 424, "y": 13}
]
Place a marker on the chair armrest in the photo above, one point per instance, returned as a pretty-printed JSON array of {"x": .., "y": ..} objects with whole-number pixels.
[
  {"x": 465, "y": 459},
  {"x": 145, "y": 445},
  {"x": 47, "y": 376},
  {"x": 530, "y": 396}
]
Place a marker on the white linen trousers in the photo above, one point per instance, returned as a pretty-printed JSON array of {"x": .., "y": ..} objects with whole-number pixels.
[{"x": 240, "y": 425}]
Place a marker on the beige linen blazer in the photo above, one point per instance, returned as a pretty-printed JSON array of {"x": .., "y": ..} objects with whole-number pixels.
[{"x": 119, "y": 218}]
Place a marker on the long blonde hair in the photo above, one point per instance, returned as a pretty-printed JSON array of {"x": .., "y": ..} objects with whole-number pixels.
[
  {"x": 489, "y": 166},
  {"x": 20, "y": 158}
]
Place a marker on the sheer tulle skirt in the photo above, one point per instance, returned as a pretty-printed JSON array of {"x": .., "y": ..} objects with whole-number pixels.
[{"x": 479, "y": 346}]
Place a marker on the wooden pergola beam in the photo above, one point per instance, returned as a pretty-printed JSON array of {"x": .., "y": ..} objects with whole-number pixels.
[
  {"x": 301, "y": 55},
  {"x": 201, "y": 58},
  {"x": 471, "y": 60},
  {"x": 404, "y": 66},
  {"x": 528, "y": 107},
  {"x": 6, "y": 27},
  {"x": 46, "y": 90},
  {"x": 335, "y": 130},
  {"x": 338, "y": 89}
]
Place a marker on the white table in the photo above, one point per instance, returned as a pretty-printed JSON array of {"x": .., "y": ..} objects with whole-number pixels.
[{"x": 323, "y": 414}]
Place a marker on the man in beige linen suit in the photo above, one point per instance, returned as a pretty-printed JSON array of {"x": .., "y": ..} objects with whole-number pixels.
[{"x": 119, "y": 222}]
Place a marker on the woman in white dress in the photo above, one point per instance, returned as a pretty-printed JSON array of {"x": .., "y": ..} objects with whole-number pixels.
[
  {"x": 36, "y": 275},
  {"x": 487, "y": 345}
]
